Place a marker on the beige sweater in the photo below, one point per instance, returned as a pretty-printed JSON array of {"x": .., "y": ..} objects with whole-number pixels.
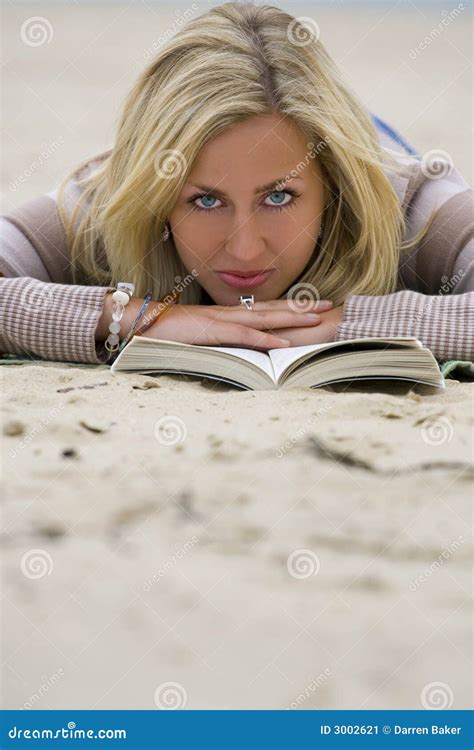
[{"x": 42, "y": 313}]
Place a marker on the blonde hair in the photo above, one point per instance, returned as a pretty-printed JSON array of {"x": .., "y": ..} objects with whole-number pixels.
[{"x": 235, "y": 62}]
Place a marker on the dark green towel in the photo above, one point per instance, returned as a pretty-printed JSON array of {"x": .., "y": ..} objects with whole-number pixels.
[
  {"x": 13, "y": 359},
  {"x": 456, "y": 368}
]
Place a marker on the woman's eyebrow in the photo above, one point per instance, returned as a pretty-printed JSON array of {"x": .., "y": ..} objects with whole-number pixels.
[{"x": 260, "y": 189}]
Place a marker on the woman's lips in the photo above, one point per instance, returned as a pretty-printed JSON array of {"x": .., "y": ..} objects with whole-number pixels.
[{"x": 244, "y": 282}]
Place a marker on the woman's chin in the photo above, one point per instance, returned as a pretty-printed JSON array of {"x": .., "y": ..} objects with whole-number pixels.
[
  {"x": 229, "y": 296},
  {"x": 233, "y": 298}
]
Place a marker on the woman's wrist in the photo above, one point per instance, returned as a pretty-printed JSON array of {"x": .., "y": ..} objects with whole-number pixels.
[{"x": 129, "y": 315}]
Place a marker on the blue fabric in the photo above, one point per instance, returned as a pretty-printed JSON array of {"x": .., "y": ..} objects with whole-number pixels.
[{"x": 384, "y": 127}]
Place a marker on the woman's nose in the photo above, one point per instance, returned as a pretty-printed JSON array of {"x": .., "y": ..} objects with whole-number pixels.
[{"x": 244, "y": 242}]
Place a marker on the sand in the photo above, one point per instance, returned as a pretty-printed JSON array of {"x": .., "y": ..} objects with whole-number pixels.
[
  {"x": 303, "y": 549},
  {"x": 190, "y": 532}
]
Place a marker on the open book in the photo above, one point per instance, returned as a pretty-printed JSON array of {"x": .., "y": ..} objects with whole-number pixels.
[{"x": 396, "y": 358}]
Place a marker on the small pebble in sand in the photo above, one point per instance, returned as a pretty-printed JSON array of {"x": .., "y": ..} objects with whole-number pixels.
[
  {"x": 69, "y": 453},
  {"x": 14, "y": 427},
  {"x": 75, "y": 388},
  {"x": 146, "y": 385},
  {"x": 93, "y": 428},
  {"x": 51, "y": 531},
  {"x": 214, "y": 441}
]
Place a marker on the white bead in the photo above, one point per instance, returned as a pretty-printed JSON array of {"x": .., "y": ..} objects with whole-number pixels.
[
  {"x": 114, "y": 327},
  {"x": 113, "y": 339},
  {"x": 120, "y": 296},
  {"x": 126, "y": 286},
  {"x": 117, "y": 311}
]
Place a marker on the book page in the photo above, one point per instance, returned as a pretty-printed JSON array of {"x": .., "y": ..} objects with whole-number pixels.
[
  {"x": 281, "y": 359},
  {"x": 187, "y": 354},
  {"x": 259, "y": 359}
]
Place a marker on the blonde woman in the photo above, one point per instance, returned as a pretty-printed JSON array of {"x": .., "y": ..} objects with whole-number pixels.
[{"x": 244, "y": 165}]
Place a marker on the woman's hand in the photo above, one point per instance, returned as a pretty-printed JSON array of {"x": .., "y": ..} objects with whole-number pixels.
[
  {"x": 321, "y": 334},
  {"x": 234, "y": 325}
]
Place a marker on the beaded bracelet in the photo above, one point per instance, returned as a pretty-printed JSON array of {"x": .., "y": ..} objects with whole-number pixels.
[
  {"x": 121, "y": 298},
  {"x": 141, "y": 312},
  {"x": 164, "y": 304}
]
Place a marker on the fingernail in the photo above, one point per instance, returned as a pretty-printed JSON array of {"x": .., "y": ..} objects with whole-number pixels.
[
  {"x": 325, "y": 303},
  {"x": 284, "y": 341},
  {"x": 312, "y": 316}
]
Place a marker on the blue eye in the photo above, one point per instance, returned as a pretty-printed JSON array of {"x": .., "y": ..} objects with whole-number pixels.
[
  {"x": 205, "y": 198},
  {"x": 280, "y": 197},
  {"x": 283, "y": 198}
]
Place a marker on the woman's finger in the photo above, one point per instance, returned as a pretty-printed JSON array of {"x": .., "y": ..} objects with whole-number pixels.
[
  {"x": 245, "y": 337},
  {"x": 291, "y": 305},
  {"x": 265, "y": 319},
  {"x": 218, "y": 333},
  {"x": 302, "y": 306}
]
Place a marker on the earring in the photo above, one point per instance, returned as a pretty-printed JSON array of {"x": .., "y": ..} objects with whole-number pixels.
[
  {"x": 321, "y": 228},
  {"x": 166, "y": 233}
]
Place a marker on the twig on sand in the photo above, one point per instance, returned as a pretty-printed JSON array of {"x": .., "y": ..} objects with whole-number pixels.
[{"x": 348, "y": 459}]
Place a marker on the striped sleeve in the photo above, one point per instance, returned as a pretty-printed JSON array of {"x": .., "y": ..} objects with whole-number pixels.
[
  {"x": 443, "y": 323},
  {"x": 435, "y": 297},
  {"x": 38, "y": 317},
  {"x": 51, "y": 321}
]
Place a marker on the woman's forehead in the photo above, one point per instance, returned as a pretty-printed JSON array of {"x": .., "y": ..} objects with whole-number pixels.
[
  {"x": 257, "y": 135},
  {"x": 253, "y": 152}
]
